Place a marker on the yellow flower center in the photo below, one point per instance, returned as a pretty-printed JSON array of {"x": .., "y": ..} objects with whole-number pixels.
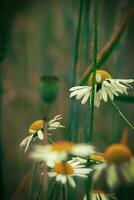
[
  {"x": 97, "y": 157},
  {"x": 117, "y": 153},
  {"x": 101, "y": 75},
  {"x": 63, "y": 168},
  {"x": 62, "y": 146},
  {"x": 35, "y": 126}
]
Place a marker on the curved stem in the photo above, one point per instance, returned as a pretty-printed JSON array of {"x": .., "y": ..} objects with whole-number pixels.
[{"x": 122, "y": 115}]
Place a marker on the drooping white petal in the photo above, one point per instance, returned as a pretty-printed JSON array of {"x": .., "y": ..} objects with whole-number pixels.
[
  {"x": 97, "y": 99},
  {"x": 40, "y": 135},
  {"x": 112, "y": 178},
  {"x": 59, "y": 177},
  {"x": 125, "y": 80},
  {"x": 85, "y": 98},
  {"x": 64, "y": 179},
  {"x": 104, "y": 93},
  {"x": 71, "y": 181},
  {"x": 26, "y": 142},
  {"x": 98, "y": 171},
  {"x": 110, "y": 94}
]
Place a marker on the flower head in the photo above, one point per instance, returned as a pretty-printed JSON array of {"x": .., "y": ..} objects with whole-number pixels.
[
  {"x": 99, "y": 195},
  {"x": 117, "y": 154},
  {"x": 105, "y": 88},
  {"x": 97, "y": 158},
  {"x": 118, "y": 165},
  {"x": 65, "y": 171},
  {"x": 60, "y": 150},
  {"x": 40, "y": 127}
]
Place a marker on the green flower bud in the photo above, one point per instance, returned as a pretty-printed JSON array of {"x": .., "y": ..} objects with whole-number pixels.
[{"x": 49, "y": 88}]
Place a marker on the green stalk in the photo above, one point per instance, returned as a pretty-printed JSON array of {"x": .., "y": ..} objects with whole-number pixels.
[
  {"x": 64, "y": 192},
  {"x": 73, "y": 110},
  {"x": 77, "y": 44},
  {"x": 95, "y": 10},
  {"x": 122, "y": 115},
  {"x": 87, "y": 58}
]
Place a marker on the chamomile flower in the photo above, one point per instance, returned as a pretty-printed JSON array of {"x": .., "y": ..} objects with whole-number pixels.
[
  {"x": 65, "y": 171},
  {"x": 99, "y": 195},
  {"x": 60, "y": 150},
  {"x": 97, "y": 158},
  {"x": 105, "y": 88},
  {"x": 118, "y": 165},
  {"x": 40, "y": 127}
]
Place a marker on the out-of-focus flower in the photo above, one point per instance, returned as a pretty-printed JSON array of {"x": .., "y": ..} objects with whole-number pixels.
[
  {"x": 40, "y": 127},
  {"x": 60, "y": 150},
  {"x": 100, "y": 195},
  {"x": 65, "y": 171},
  {"x": 97, "y": 158},
  {"x": 105, "y": 87},
  {"x": 118, "y": 165},
  {"x": 49, "y": 88}
]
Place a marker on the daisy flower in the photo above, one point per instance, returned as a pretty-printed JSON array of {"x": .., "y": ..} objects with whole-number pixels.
[
  {"x": 65, "y": 171},
  {"x": 97, "y": 158},
  {"x": 105, "y": 88},
  {"x": 60, "y": 150},
  {"x": 40, "y": 127},
  {"x": 118, "y": 165},
  {"x": 99, "y": 195}
]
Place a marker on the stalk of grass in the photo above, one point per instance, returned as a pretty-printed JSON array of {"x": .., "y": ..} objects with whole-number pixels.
[
  {"x": 87, "y": 61},
  {"x": 108, "y": 47},
  {"x": 74, "y": 108},
  {"x": 95, "y": 32},
  {"x": 64, "y": 192},
  {"x": 91, "y": 127},
  {"x": 36, "y": 182}
]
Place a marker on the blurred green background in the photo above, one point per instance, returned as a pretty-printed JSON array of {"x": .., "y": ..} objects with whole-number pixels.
[{"x": 37, "y": 38}]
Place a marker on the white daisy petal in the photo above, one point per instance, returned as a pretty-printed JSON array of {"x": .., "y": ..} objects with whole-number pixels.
[
  {"x": 28, "y": 143},
  {"x": 104, "y": 93},
  {"x": 59, "y": 177},
  {"x": 110, "y": 94},
  {"x": 112, "y": 178},
  {"x": 40, "y": 135},
  {"x": 97, "y": 99},
  {"x": 85, "y": 98},
  {"x": 71, "y": 181},
  {"x": 77, "y": 88},
  {"x": 64, "y": 179}
]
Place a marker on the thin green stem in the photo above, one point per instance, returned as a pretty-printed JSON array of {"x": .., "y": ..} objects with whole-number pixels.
[
  {"x": 77, "y": 44},
  {"x": 95, "y": 10},
  {"x": 122, "y": 116},
  {"x": 73, "y": 109},
  {"x": 50, "y": 140},
  {"x": 64, "y": 192}
]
